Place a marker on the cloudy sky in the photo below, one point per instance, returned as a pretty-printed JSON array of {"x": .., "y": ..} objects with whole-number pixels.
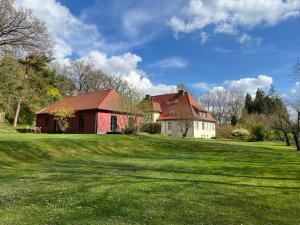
[{"x": 155, "y": 44}]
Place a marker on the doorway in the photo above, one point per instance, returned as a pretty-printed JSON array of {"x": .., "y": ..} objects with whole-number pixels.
[{"x": 113, "y": 124}]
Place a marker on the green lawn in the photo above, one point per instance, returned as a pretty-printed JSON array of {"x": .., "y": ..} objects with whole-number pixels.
[{"x": 89, "y": 179}]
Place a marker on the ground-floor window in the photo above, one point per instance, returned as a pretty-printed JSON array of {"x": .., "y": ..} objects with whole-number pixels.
[
  {"x": 169, "y": 125},
  {"x": 81, "y": 123}
]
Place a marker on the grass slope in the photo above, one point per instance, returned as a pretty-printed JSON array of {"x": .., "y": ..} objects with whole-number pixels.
[{"x": 89, "y": 179}]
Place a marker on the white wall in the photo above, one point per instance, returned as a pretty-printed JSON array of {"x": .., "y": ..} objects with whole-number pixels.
[
  {"x": 204, "y": 129},
  {"x": 195, "y": 131}
]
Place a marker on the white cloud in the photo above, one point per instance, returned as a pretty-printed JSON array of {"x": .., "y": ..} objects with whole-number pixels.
[
  {"x": 202, "y": 86},
  {"x": 249, "y": 85},
  {"x": 249, "y": 41},
  {"x": 75, "y": 37},
  {"x": 71, "y": 34},
  {"x": 230, "y": 17},
  {"x": 243, "y": 85},
  {"x": 172, "y": 62},
  {"x": 126, "y": 66},
  {"x": 204, "y": 36}
]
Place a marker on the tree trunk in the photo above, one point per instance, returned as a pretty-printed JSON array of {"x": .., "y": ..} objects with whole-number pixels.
[
  {"x": 287, "y": 140},
  {"x": 297, "y": 142},
  {"x": 17, "y": 112}
]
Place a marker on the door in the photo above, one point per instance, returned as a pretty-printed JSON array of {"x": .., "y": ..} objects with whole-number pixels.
[
  {"x": 81, "y": 123},
  {"x": 113, "y": 124}
]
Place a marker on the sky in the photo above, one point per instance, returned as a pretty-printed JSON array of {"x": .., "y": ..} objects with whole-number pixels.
[{"x": 207, "y": 45}]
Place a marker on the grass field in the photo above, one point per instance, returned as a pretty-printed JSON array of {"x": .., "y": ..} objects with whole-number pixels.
[{"x": 89, "y": 179}]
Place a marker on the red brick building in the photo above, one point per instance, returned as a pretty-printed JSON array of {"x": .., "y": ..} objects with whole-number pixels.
[{"x": 96, "y": 112}]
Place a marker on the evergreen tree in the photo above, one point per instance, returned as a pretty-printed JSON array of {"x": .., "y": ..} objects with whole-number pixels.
[
  {"x": 259, "y": 104},
  {"x": 248, "y": 109}
]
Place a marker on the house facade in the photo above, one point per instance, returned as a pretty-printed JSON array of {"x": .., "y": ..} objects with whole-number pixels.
[
  {"x": 179, "y": 114},
  {"x": 96, "y": 112}
]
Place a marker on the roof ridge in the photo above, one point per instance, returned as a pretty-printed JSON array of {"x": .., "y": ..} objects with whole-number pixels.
[{"x": 164, "y": 94}]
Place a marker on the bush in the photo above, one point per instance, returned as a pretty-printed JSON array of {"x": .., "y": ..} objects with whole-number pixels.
[
  {"x": 224, "y": 131},
  {"x": 241, "y": 134},
  {"x": 259, "y": 132},
  {"x": 130, "y": 130},
  {"x": 151, "y": 128}
]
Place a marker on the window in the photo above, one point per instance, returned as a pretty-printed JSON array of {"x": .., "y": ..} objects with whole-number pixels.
[
  {"x": 213, "y": 126},
  {"x": 169, "y": 125},
  {"x": 81, "y": 123},
  {"x": 47, "y": 121},
  {"x": 197, "y": 125},
  {"x": 203, "y": 126}
]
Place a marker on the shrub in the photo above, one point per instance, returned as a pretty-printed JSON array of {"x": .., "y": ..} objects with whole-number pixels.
[
  {"x": 224, "y": 131},
  {"x": 259, "y": 132},
  {"x": 130, "y": 130},
  {"x": 241, "y": 134},
  {"x": 151, "y": 128},
  {"x": 63, "y": 118}
]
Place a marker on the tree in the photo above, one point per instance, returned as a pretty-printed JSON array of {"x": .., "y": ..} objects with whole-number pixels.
[
  {"x": 127, "y": 106},
  {"x": 282, "y": 124},
  {"x": 295, "y": 123},
  {"x": 296, "y": 70},
  {"x": 88, "y": 78},
  {"x": 248, "y": 104},
  {"x": 225, "y": 105},
  {"x": 63, "y": 118},
  {"x": 20, "y": 31}
]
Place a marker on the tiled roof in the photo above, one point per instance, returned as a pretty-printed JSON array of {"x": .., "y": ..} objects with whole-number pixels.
[
  {"x": 149, "y": 106},
  {"x": 181, "y": 106},
  {"x": 108, "y": 100}
]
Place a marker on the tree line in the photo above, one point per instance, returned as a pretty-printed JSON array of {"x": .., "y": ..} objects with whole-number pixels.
[{"x": 266, "y": 116}]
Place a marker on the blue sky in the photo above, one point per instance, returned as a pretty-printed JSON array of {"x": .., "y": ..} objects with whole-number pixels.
[{"x": 241, "y": 45}]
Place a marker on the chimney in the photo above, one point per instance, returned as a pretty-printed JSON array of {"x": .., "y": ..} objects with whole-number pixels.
[
  {"x": 181, "y": 92},
  {"x": 147, "y": 97}
]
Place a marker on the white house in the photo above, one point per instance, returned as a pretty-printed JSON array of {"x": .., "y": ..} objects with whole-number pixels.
[{"x": 179, "y": 113}]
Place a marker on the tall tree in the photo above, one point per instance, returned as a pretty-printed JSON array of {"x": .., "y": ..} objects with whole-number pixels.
[
  {"x": 21, "y": 31},
  {"x": 248, "y": 104}
]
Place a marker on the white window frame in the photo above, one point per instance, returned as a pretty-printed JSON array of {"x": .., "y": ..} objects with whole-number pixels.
[{"x": 169, "y": 125}]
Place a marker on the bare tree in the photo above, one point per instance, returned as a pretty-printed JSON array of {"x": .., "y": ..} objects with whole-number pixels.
[
  {"x": 81, "y": 72},
  {"x": 282, "y": 124},
  {"x": 225, "y": 105},
  {"x": 295, "y": 123},
  {"x": 88, "y": 78},
  {"x": 21, "y": 31}
]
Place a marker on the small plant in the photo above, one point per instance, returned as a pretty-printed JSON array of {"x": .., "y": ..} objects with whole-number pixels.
[
  {"x": 259, "y": 132},
  {"x": 241, "y": 134},
  {"x": 151, "y": 128},
  {"x": 63, "y": 118}
]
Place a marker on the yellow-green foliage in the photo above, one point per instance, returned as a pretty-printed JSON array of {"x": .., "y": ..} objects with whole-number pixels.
[{"x": 63, "y": 117}]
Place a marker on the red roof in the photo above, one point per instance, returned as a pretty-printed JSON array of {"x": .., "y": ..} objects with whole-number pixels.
[
  {"x": 181, "y": 106},
  {"x": 108, "y": 100}
]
